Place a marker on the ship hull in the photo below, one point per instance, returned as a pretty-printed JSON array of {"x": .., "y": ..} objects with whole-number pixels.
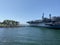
[{"x": 46, "y": 26}]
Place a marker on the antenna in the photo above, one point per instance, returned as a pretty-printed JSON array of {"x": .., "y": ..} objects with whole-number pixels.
[
  {"x": 43, "y": 16},
  {"x": 50, "y": 16}
]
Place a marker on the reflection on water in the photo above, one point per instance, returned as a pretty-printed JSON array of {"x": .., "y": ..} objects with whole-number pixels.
[{"x": 29, "y": 36}]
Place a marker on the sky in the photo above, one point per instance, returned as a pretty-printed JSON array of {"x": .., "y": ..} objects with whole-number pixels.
[{"x": 27, "y": 10}]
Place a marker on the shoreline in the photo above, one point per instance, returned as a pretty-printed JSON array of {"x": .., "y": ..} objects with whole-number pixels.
[
  {"x": 12, "y": 26},
  {"x": 7, "y": 26}
]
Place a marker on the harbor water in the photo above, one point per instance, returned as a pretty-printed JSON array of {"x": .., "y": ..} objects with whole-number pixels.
[{"x": 29, "y": 36}]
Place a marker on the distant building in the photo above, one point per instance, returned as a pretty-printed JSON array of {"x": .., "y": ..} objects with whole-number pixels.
[{"x": 56, "y": 19}]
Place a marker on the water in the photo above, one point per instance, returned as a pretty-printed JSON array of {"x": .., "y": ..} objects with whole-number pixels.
[{"x": 29, "y": 36}]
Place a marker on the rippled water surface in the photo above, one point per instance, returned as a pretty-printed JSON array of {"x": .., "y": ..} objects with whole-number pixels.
[{"x": 29, "y": 36}]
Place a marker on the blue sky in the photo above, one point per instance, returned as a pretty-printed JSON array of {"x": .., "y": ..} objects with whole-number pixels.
[{"x": 25, "y": 10}]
